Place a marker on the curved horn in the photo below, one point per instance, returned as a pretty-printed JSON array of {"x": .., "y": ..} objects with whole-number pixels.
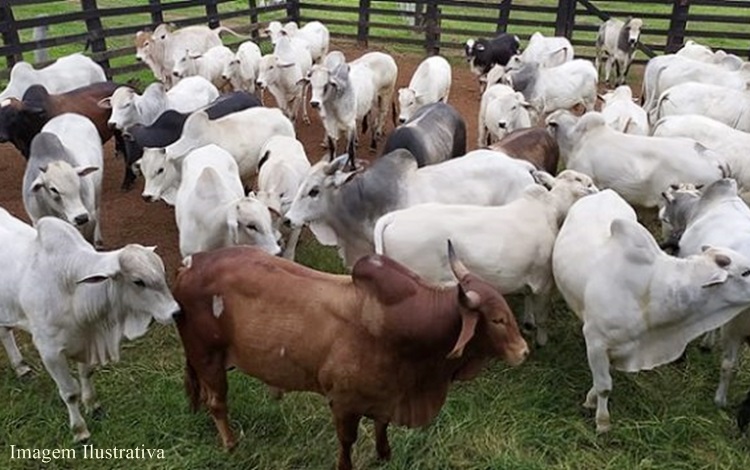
[
  {"x": 458, "y": 268},
  {"x": 469, "y": 321}
]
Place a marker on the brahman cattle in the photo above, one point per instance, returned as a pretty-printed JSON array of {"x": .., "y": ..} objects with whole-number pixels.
[
  {"x": 381, "y": 344},
  {"x": 618, "y": 41}
]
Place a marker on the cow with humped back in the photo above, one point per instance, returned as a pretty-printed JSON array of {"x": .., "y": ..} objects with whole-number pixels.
[{"x": 381, "y": 344}]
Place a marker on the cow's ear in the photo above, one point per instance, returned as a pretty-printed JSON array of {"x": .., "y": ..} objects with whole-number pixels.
[
  {"x": 479, "y": 47},
  {"x": 718, "y": 277},
  {"x": 85, "y": 170},
  {"x": 37, "y": 184},
  {"x": 105, "y": 103},
  {"x": 93, "y": 279}
]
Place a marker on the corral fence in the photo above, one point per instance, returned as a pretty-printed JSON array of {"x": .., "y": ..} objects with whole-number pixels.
[{"x": 107, "y": 27}]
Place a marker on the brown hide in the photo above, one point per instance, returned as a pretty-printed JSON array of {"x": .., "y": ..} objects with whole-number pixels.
[
  {"x": 83, "y": 101},
  {"x": 375, "y": 344},
  {"x": 533, "y": 144}
]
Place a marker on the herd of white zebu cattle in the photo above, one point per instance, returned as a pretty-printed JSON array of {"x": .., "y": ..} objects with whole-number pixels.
[{"x": 433, "y": 235}]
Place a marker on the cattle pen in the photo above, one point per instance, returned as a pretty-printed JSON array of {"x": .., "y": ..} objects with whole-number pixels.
[
  {"x": 107, "y": 26},
  {"x": 528, "y": 418}
]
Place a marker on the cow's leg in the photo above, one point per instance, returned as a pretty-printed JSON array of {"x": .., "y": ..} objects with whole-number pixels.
[
  {"x": 88, "y": 394},
  {"x": 731, "y": 345},
  {"x": 16, "y": 359},
  {"x": 68, "y": 388},
  {"x": 382, "y": 446},
  {"x": 302, "y": 102},
  {"x": 708, "y": 341},
  {"x": 346, "y": 429},
  {"x": 608, "y": 68},
  {"x": 483, "y": 139},
  {"x": 128, "y": 181},
  {"x": 599, "y": 365},
  {"x": 291, "y": 244},
  {"x": 536, "y": 305},
  {"x": 213, "y": 377}
]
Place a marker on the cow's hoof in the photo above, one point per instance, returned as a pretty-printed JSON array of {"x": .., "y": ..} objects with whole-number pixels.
[
  {"x": 22, "y": 370},
  {"x": 81, "y": 436},
  {"x": 603, "y": 428}
]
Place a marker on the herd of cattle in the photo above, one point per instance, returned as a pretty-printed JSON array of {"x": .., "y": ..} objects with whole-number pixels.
[{"x": 434, "y": 236}]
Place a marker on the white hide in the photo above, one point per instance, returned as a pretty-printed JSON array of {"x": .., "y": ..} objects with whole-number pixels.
[
  {"x": 732, "y": 107},
  {"x": 65, "y": 74},
  {"x": 282, "y": 73},
  {"x": 508, "y": 246},
  {"x": 548, "y": 51},
  {"x": 211, "y": 208},
  {"x": 638, "y": 168},
  {"x": 63, "y": 177},
  {"x": 639, "y": 306},
  {"x": 501, "y": 110},
  {"x": 622, "y": 114},
  {"x": 209, "y": 65},
  {"x": 77, "y": 303},
  {"x": 242, "y": 71},
  {"x": 430, "y": 83}
]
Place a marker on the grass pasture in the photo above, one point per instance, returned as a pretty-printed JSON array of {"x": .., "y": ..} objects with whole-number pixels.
[{"x": 526, "y": 418}]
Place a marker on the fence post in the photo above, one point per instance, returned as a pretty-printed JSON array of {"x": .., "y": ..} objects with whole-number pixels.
[
  {"x": 566, "y": 17},
  {"x": 212, "y": 13},
  {"x": 432, "y": 27},
  {"x": 157, "y": 15},
  {"x": 363, "y": 23},
  {"x": 292, "y": 10},
  {"x": 503, "y": 16},
  {"x": 96, "y": 34},
  {"x": 253, "y": 5},
  {"x": 677, "y": 25},
  {"x": 10, "y": 34}
]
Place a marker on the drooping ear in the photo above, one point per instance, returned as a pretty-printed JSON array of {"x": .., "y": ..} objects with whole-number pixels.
[
  {"x": 37, "y": 184},
  {"x": 85, "y": 170},
  {"x": 718, "y": 277},
  {"x": 543, "y": 178},
  {"x": 105, "y": 103},
  {"x": 340, "y": 178},
  {"x": 469, "y": 319}
]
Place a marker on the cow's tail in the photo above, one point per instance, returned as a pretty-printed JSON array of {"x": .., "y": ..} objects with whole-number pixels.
[
  {"x": 192, "y": 387},
  {"x": 649, "y": 105},
  {"x": 222, "y": 29},
  {"x": 379, "y": 232},
  {"x": 654, "y": 115}
]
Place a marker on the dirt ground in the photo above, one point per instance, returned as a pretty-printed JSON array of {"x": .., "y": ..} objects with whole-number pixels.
[{"x": 126, "y": 218}]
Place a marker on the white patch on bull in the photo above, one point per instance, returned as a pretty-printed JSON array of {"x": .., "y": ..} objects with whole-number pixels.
[
  {"x": 217, "y": 306},
  {"x": 6, "y": 102},
  {"x": 282, "y": 352},
  {"x": 187, "y": 261}
]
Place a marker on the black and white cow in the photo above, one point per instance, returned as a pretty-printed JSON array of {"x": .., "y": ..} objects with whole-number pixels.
[{"x": 483, "y": 54}]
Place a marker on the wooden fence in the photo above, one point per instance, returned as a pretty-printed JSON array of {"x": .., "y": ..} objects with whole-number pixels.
[{"x": 429, "y": 24}]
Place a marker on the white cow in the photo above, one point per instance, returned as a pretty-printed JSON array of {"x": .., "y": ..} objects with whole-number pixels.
[
  {"x": 618, "y": 41},
  {"x": 695, "y": 51},
  {"x": 161, "y": 49},
  {"x": 508, "y": 246},
  {"x": 730, "y": 143},
  {"x": 732, "y": 107},
  {"x": 63, "y": 177},
  {"x": 283, "y": 167},
  {"x": 640, "y": 307},
  {"x": 282, "y": 74},
  {"x": 242, "y": 71},
  {"x": 315, "y": 35},
  {"x": 130, "y": 108},
  {"x": 430, "y": 83},
  {"x": 65, "y": 74},
  {"x": 161, "y": 177},
  {"x": 720, "y": 218},
  {"x": 343, "y": 206},
  {"x": 211, "y": 208},
  {"x": 622, "y": 114},
  {"x": 551, "y": 88},
  {"x": 502, "y": 110},
  {"x": 639, "y": 168},
  {"x": 674, "y": 70},
  {"x": 77, "y": 303},
  {"x": 209, "y": 65},
  {"x": 548, "y": 51},
  {"x": 242, "y": 134}
]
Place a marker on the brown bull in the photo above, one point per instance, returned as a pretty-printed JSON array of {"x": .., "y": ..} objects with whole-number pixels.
[{"x": 380, "y": 343}]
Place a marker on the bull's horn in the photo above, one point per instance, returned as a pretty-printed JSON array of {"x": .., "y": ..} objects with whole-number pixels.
[{"x": 458, "y": 268}]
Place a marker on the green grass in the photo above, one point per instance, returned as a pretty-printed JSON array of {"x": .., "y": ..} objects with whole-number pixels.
[{"x": 523, "y": 418}]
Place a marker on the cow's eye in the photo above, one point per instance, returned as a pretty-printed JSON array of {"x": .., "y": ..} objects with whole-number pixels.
[
  {"x": 252, "y": 227},
  {"x": 139, "y": 283},
  {"x": 160, "y": 171},
  {"x": 54, "y": 191},
  {"x": 314, "y": 192},
  {"x": 746, "y": 273},
  {"x": 499, "y": 321}
]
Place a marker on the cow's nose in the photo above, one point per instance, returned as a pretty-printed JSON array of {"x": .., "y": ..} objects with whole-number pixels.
[
  {"x": 287, "y": 222},
  {"x": 502, "y": 124},
  {"x": 81, "y": 219},
  {"x": 224, "y": 77},
  {"x": 111, "y": 125},
  {"x": 401, "y": 120},
  {"x": 139, "y": 59},
  {"x": 315, "y": 104},
  {"x": 259, "y": 84},
  {"x": 176, "y": 74},
  {"x": 148, "y": 197}
]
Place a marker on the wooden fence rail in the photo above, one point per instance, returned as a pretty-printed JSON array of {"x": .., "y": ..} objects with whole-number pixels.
[{"x": 429, "y": 24}]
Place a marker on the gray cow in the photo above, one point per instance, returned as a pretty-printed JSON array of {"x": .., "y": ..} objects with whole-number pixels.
[{"x": 618, "y": 41}]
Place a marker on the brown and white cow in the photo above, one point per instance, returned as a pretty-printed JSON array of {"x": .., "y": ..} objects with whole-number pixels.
[{"x": 380, "y": 343}]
